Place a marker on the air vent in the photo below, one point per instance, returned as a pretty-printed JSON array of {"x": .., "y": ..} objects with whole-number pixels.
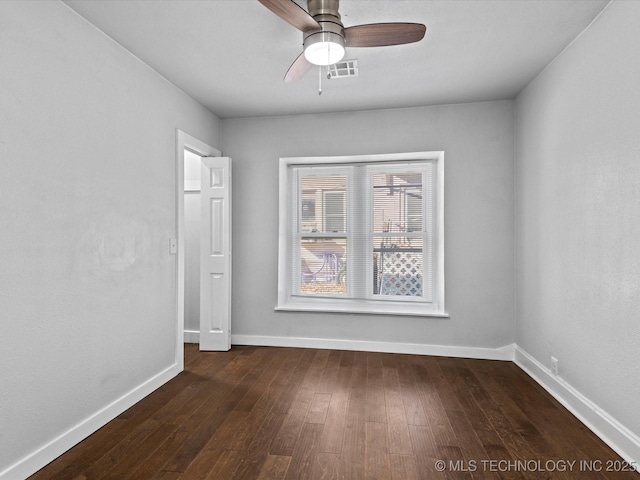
[{"x": 344, "y": 69}]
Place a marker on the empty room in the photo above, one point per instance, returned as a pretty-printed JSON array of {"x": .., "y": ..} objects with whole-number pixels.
[{"x": 319, "y": 239}]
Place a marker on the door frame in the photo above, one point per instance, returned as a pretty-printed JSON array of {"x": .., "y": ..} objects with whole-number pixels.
[{"x": 184, "y": 141}]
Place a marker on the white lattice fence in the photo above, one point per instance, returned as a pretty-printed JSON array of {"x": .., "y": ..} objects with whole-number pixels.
[{"x": 401, "y": 274}]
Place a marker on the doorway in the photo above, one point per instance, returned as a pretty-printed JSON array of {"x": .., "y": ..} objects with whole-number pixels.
[
  {"x": 188, "y": 149},
  {"x": 192, "y": 209}
]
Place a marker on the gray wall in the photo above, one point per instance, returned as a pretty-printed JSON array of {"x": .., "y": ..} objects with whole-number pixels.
[
  {"x": 87, "y": 199},
  {"x": 479, "y": 218},
  {"x": 578, "y": 210},
  {"x": 192, "y": 261},
  {"x": 191, "y": 244},
  {"x": 87, "y": 193}
]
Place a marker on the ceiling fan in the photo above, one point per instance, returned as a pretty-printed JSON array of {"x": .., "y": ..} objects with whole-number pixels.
[{"x": 325, "y": 38}]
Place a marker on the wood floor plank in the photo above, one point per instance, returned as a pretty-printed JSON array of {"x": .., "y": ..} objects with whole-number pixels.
[
  {"x": 541, "y": 408},
  {"x": 128, "y": 463},
  {"x": 334, "y": 426},
  {"x": 264, "y": 380},
  {"x": 357, "y": 407},
  {"x": 403, "y": 467},
  {"x": 410, "y": 396},
  {"x": 245, "y": 431},
  {"x": 503, "y": 426},
  {"x": 72, "y": 470},
  {"x": 233, "y": 425},
  {"x": 256, "y": 454},
  {"x": 447, "y": 445},
  {"x": 397, "y": 423},
  {"x": 164, "y": 475},
  {"x": 304, "y": 453},
  {"x": 327, "y": 380},
  {"x": 316, "y": 370},
  {"x": 327, "y": 466},
  {"x": 121, "y": 451},
  {"x": 145, "y": 407},
  {"x": 492, "y": 443},
  {"x": 160, "y": 407},
  {"x": 319, "y": 408},
  {"x": 353, "y": 448},
  {"x": 376, "y": 409},
  {"x": 258, "y": 450},
  {"x": 286, "y": 439},
  {"x": 450, "y": 424},
  {"x": 192, "y": 417},
  {"x": 298, "y": 368},
  {"x": 156, "y": 462},
  {"x": 472, "y": 449},
  {"x": 86, "y": 452},
  {"x": 538, "y": 445},
  {"x": 342, "y": 383},
  {"x": 205, "y": 421},
  {"x": 273, "y": 413},
  {"x": 275, "y": 468},
  {"x": 425, "y": 453},
  {"x": 237, "y": 431},
  {"x": 226, "y": 465},
  {"x": 377, "y": 464}
]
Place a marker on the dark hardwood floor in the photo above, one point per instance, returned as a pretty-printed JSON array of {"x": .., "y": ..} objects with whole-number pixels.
[{"x": 288, "y": 413}]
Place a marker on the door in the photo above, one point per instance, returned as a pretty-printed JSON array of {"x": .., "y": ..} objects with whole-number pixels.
[{"x": 215, "y": 254}]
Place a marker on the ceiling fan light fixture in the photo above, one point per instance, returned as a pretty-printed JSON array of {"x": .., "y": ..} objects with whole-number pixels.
[
  {"x": 325, "y": 37},
  {"x": 324, "y": 48}
]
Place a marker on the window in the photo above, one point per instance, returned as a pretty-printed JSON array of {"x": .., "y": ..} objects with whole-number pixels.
[{"x": 362, "y": 234}]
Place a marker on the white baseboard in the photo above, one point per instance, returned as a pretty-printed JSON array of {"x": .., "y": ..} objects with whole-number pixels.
[
  {"x": 191, "y": 336},
  {"x": 624, "y": 442},
  {"x": 56, "y": 447},
  {"x": 502, "y": 353}
]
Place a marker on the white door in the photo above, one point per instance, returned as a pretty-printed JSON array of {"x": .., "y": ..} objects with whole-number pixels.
[{"x": 215, "y": 254}]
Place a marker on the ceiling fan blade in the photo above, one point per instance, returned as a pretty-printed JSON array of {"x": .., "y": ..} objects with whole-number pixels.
[
  {"x": 298, "y": 68},
  {"x": 292, "y": 13},
  {"x": 383, "y": 34}
]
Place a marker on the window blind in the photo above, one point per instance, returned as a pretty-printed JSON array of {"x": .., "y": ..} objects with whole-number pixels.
[{"x": 362, "y": 231}]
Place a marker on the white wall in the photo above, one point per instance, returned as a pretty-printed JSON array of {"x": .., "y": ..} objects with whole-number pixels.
[
  {"x": 192, "y": 244},
  {"x": 578, "y": 211},
  {"x": 479, "y": 219},
  {"x": 87, "y": 199}
]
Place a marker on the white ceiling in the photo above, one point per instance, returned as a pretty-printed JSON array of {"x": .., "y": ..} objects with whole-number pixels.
[{"x": 231, "y": 55}]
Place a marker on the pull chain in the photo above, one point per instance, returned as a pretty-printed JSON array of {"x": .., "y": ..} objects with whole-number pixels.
[{"x": 328, "y": 70}]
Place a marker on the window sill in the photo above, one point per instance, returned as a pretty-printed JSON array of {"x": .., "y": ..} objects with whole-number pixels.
[{"x": 371, "y": 307}]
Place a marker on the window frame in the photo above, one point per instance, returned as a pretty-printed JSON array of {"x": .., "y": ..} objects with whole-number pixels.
[{"x": 290, "y": 302}]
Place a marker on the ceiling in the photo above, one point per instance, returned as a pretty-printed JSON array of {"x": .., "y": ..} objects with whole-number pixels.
[{"x": 231, "y": 55}]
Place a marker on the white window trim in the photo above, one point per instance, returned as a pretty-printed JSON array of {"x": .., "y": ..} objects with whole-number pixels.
[{"x": 288, "y": 302}]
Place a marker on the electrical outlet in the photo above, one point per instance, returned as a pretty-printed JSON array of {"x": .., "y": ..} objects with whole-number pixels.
[{"x": 554, "y": 366}]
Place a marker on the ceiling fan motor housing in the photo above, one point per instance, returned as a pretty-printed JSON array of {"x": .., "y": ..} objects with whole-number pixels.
[
  {"x": 325, "y": 12},
  {"x": 323, "y": 7}
]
